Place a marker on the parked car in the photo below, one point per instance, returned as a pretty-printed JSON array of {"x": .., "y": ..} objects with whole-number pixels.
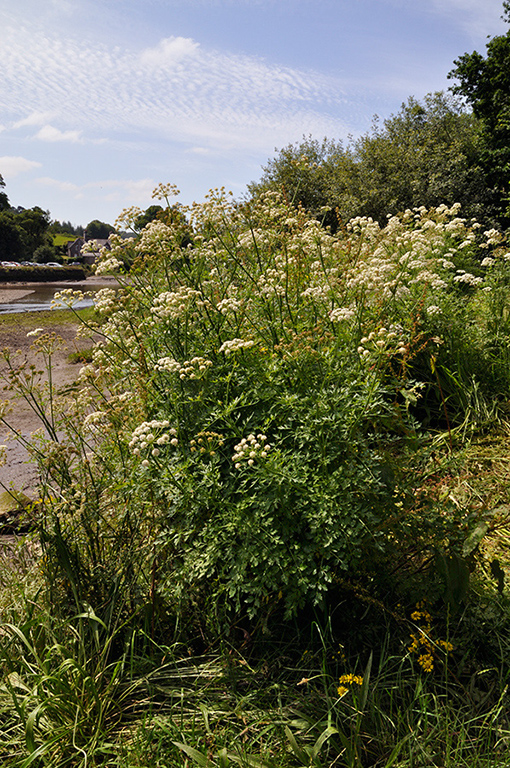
[
  {"x": 52, "y": 264},
  {"x": 9, "y": 264}
]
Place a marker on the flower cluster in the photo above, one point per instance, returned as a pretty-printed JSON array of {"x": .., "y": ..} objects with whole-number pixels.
[
  {"x": 339, "y": 314},
  {"x": 466, "y": 277},
  {"x": 249, "y": 449},
  {"x": 175, "y": 304},
  {"x": 383, "y": 341},
  {"x": 66, "y": 298},
  {"x": 164, "y": 191},
  {"x": 156, "y": 238},
  {"x": 206, "y": 443},
  {"x": 189, "y": 369},
  {"x": 345, "y": 681},
  {"x": 96, "y": 422},
  {"x": 108, "y": 265},
  {"x": 228, "y": 305},
  {"x": 422, "y": 644},
  {"x": 150, "y": 437},
  {"x": 105, "y": 301},
  {"x": 233, "y": 345}
]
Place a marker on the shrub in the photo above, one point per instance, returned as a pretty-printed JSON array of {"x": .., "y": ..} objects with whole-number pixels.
[{"x": 247, "y": 436}]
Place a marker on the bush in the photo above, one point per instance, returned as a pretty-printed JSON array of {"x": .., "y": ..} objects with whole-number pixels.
[{"x": 254, "y": 410}]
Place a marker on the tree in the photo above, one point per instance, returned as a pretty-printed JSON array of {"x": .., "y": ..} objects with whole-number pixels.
[
  {"x": 314, "y": 174},
  {"x": 485, "y": 84},
  {"x": 65, "y": 228},
  {"x": 45, "y": 253},
  {"x": 33, "y": 224},
  {"x": 22, "y": 231},
  {"x": 4, "y": 200},
  {"x": 152, "y": 213},
  {"x": 98, "y": 230},
  {"x": 426, "y": 154},
  {"x": 11, "y": 245}
]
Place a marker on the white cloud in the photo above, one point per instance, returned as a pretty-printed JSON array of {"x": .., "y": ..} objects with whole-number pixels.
[
  {"x": 173, "y": 91},
  {"x": 13, "y": 166},
  {"x": 125, "y": 191},
  {"x": 61, "y": 186},
  {"x": 168, "y": 52},
  {"x": 34, "y": 118},
  {"x": 199, "y": 151},
  {"x": 50, "y": 133}
]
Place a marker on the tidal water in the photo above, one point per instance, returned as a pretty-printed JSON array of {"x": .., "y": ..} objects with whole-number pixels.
[{"x": 38, "y": 297}]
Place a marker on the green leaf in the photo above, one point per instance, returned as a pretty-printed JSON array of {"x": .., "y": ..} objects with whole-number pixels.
[
  {"x": 195, "y": 755},
  {"x": 298, "y": 751},
  {"x": 474, "y": 538}
]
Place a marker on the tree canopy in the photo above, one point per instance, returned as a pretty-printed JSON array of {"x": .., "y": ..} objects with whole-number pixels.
[
  {"x": 4, "y": 200},
  {"x": 485, "y": 84},
  {"x": 426, "y": 154},
  {"x": 22, "y": 232},
  {"x": 98, "y": 230}
]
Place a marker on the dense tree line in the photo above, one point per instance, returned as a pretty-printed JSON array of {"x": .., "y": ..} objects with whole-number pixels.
[
  {"x": 23, "y": 231},
  {"x": 433, "y": 151},
  {"x": 427, "y": 154},
  {"x": 26, "y": 234},
  {"x": 65, "y": 228},
  {"x": 485, "y": 84}
]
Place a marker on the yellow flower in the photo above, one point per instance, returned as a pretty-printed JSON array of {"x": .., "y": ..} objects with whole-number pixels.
[
  {"x": 349, "y": 679},
  {"x": 426, "y": 662}
]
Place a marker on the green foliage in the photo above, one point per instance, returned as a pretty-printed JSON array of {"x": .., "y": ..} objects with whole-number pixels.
[
  {"x": 429, "y": 153},
  {"x": 41, "y": 273},
  {"x": 46, "y": 253},
  {"x": 485, "y": 84},
  {"x": 65, "y": 228},
  {"x": 264, "y": 385},
  {"x": 11, "y": 245},
  {"x": 62, "y": 239},
  {"x": 263, "y": 454},
  {"x": 22, "y": 231},
  {"x": 4, "y": 200},
  {"x": 152, "y": 213},
  {"x": 99, "y": 230}
]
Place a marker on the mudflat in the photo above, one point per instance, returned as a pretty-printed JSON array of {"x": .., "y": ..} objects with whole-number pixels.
[
  {"x": 19, "y": 472},
  {"x": 10, "y": 295}
]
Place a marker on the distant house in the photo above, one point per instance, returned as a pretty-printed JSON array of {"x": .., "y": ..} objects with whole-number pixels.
[{"x": 74, "y": 250}]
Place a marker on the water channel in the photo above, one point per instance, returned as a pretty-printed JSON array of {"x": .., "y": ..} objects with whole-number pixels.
[{"x": 34, "y": 297}]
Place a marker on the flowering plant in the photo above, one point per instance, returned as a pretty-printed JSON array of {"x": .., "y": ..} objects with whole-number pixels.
[{"x": 261, "y": 383}]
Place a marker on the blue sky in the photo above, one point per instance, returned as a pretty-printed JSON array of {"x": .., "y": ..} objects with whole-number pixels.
[{"x": 100, "y": 100}]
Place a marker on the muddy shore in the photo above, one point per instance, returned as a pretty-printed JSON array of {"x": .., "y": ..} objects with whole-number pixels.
[{"x": 19, "y": 473}]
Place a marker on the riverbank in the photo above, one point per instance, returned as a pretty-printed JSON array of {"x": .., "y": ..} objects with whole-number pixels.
[
  {"x": 14, "y": 291},
  {"x": 19, "y": 472}
]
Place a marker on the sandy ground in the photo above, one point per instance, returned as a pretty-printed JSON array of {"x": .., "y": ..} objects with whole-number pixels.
[
  {"x": 9, "y": 296},
  {"x": 19, "y": 473}
]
